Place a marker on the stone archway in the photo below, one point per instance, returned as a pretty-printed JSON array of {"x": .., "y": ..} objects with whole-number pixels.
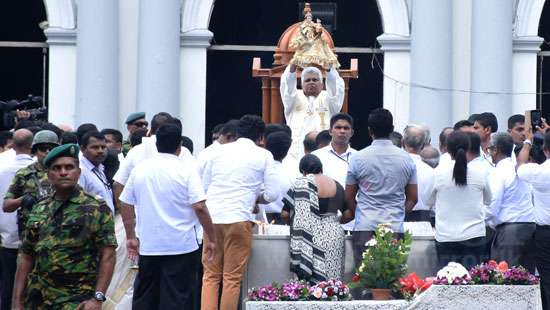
[
  {"x": 526, "y": 45},
  {"x": 394, "y": 40}
]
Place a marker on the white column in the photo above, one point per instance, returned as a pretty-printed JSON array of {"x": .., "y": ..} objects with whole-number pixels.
[
  {"x": 462, "y": 56},
  {"x": 61, "y": 76},
  {"x": 525, "y": 73},
  {"x": 397, "y": 76},
  {"x": 431, "y": 63},
  {"x": 127, "y": 59},
  {"x": 158, "y": 57},
  {"x": 97, "y": 70},
  {"x": 492, "y": 58},
  {"x": 193, "y": 85}
]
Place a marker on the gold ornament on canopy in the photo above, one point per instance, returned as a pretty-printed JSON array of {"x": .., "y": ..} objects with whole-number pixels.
[{"x": 311, "y": 46}]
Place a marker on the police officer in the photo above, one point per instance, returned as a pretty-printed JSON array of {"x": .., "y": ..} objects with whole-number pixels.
[
  {"x": 31, "y": 184},
  {"x": 134, "y": 122},
  {"x": 67, "y": 256}
]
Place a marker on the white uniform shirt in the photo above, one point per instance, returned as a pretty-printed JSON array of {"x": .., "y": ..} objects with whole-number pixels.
[
  {"x": 511, "y": 201},
  {"x": 207, "y": 154},
  {"x": 94, "y": 182},
  {"x": 147, "y": 149},
  {"x": 233, "y": 180},
  {"x": 538, "y": 176},
  {"x": 425, "y": 178},
  {"x": 163, "y": 189},
  {"x": 335, "y": 166},
  {"x": 8, "y": 221},
  {"x": 459, "y": 212},
  {"x": 285, "y": 182},
  {"x": 445, "y": 161},
  {"x": 485, "y": 164}
]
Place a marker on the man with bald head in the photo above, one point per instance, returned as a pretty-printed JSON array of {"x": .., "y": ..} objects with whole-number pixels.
[
  {"x": 430, "y": 155},
  {"x": 22, "y": 142},
  {"x": 414, "y": 139},
  {"x": 310, "y": 108}
]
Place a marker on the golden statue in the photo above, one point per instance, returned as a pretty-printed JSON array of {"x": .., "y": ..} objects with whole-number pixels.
[{"x": 311, "y": 47}]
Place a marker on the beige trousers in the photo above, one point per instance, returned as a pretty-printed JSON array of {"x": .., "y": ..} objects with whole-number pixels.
[{"x": 233, "y": 245}]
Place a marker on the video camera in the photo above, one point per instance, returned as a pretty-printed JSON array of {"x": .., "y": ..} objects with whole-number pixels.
[{"x": 32, "y": 104}]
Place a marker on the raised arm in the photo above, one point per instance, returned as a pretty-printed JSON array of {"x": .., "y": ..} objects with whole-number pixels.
[
  {"x": 336, "y": 90},
  {"x": 288, "y": 88}
]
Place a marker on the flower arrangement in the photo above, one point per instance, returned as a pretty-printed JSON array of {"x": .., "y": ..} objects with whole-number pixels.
[
  {"x": 453, "y": 274},
  {"x": 412, "y": 285},
  {"x": 490, "y": 272},
  {"x": 331, "y": 290},
  {"x": 384, "y": 260}
]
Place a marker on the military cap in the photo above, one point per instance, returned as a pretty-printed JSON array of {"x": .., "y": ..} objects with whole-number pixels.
[
  {"x": 134, "y": 117},
  {"x": 65, "y": 150},
  {"x": 45, "y": 137}
]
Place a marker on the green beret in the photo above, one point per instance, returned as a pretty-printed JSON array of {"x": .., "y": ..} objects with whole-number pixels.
[
  {"x": 134, "y": 117},
  {"x": 65, "y": 150}
]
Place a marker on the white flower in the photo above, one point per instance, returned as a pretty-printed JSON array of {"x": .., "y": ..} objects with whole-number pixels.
[
  {"x": 362, "y": 268},
  {"x": 371, "y": 242},
  {"x": 385, "y": 228},
  {"x": 452, "y": 271}
]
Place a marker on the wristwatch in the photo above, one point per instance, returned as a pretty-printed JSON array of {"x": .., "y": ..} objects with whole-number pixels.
[
  {"x": 527, "y": 141},
  {"x": 99, "y": 296}
]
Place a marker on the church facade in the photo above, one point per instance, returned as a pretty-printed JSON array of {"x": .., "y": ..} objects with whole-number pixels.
[{"x": 437, "y": 61}]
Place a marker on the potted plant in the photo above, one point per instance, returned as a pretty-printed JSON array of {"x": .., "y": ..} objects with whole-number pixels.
[{"x": 384, "y": 262}]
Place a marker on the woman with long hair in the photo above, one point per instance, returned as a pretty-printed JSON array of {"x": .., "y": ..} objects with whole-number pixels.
[
  {"x": 458, "y": 195},
  {"x": 316, "y": 237}
]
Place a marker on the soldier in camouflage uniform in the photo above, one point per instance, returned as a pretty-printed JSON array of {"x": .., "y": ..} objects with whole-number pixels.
[
  {"x": 67, "y": 256},
  {"x": 134, "y": 122},
  {"x": 31, "y": 184}
]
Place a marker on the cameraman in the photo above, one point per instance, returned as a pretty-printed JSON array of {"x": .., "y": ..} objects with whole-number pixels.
[
  {"x": 538, "y": 176},
  {"x": 31, "y": 184}
]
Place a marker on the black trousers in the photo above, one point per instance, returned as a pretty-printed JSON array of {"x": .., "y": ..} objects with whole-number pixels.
[
  {"x": 165, "y": 282},
  {"x": 418, "y": 216},
  {"x": 468, "y": 252},
  {"x": 515, "y": 244},
  {"x": 8, "y": 263},
  {"x": 542, "y": 245}
]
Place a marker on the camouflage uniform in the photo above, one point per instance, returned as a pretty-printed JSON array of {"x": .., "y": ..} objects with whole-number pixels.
[
  {"x": 126, "y": 146},
  {"x": 32, "y": 180},
  {"x": 63, "y": 238}
]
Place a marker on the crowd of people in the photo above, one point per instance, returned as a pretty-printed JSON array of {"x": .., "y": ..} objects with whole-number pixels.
[{"x": 75, "y": 200}]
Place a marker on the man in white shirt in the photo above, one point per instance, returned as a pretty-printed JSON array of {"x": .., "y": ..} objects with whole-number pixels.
[
  {"x": 278, "y": 144},
  {"x": 310, "y": 108},
  {"x": 168, "y": 195},
  {"x": 93, "y": 151},
  {"x": 445, "y": 158},
  {"x": 485, "y": 165},
  {"x": 485, "y": 124},
  {"x": 226, "y": 134},
  {"x": 414, "y": 137},
  {"x": 10, "y": 242},
  {"x": 145, "y": 150},
  {"x": 511, "y": 207},
  {"x": 538, "y": 176},
  {"x": 234, "y": 179},
  {"x": 335, "y": 157}
]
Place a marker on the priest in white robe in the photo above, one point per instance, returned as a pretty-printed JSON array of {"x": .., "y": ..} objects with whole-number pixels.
[{"x": 310, "y": 108}]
